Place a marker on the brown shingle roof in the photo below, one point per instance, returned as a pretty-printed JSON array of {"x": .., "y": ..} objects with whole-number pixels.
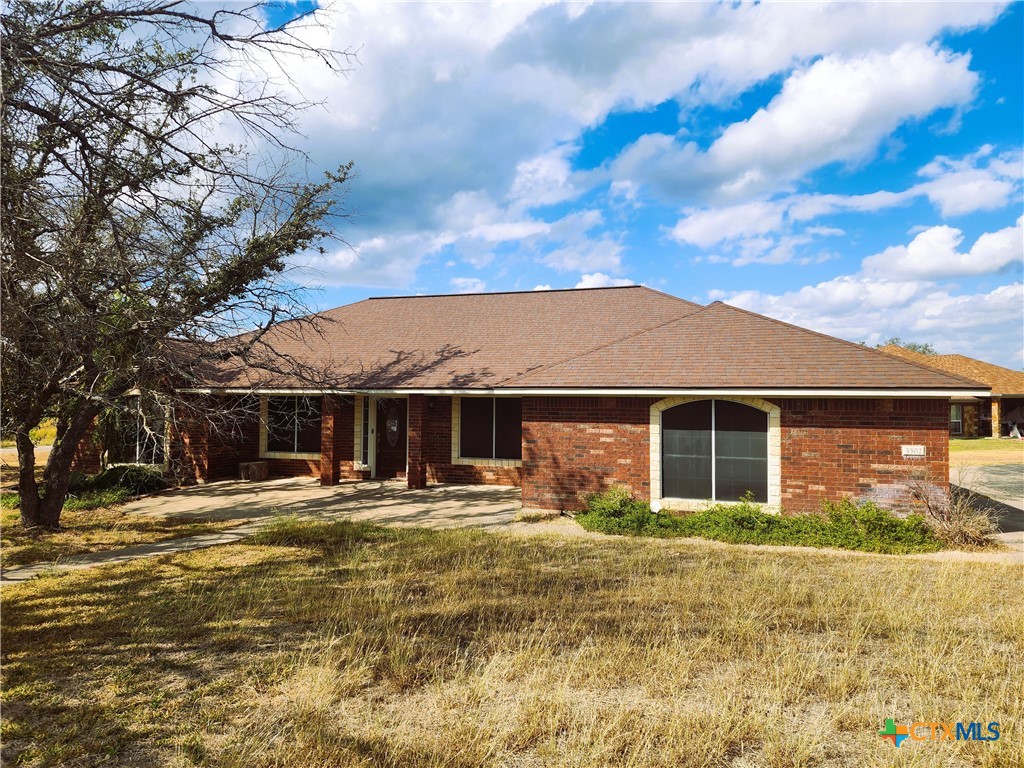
[
  {"x": 723, "y": 346},
  {"x": 631, "y": 337},
  {"x": 1002, "y": 381}
]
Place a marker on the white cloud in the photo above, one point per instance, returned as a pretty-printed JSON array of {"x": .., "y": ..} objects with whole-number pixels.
[
  {"x": 544, "y": 179},
  {"x": 963, "y": 186},
  {"x": 600, "y": 280},
  {"x": 838, "y": 109},
  {"x": 544, "y": 287},
  {"x": 492, "y": 99},
  {"x": 710, "y": 226},
  {"x": 857, "y": 308},
  {"x": 934, "y": 253},
  {"x": 775, "y": 231},
  {"x": 468, "y": 284},
  {"x": 379, "y": 262},
  {"x": 600, "y": 254},
  {"x": 979, "y": 181},
  {"x": 897, "y": 294}
]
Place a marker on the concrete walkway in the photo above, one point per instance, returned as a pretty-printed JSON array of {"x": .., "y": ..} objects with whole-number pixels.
[{"x": 255, "y": 505}]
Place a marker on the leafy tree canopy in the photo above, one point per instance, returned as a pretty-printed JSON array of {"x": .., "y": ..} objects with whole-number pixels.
[{"x": 137, "y": 240}]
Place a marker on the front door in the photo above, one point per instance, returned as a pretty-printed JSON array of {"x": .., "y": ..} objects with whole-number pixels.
[{"x": 391, "y": 437}]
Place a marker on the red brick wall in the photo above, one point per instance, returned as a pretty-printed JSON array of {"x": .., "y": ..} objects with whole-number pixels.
[
  {"x": 337, "y": 442},
  {"x": 188, "y": 446},
  {"x": 833, "y": 449},
  {"x": 202, "y": 451},
  {"x": 575, "y": 445},
  {"x": 417, "y": 462},
  {"x": 830, "y": 449},
  {"x": 436, "y": 445},
  {"x": 87, "y": 454}
]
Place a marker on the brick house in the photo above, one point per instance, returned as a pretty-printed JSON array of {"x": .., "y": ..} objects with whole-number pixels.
[
  {"x": 990, "y": 416},
  {"x": 566, "y": 392}
]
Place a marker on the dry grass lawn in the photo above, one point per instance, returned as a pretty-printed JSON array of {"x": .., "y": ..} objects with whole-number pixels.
[
  {"x": 93, "y": 530},
  {"x": 984, "y": 452},
  {"x": 349, "y": 645}
]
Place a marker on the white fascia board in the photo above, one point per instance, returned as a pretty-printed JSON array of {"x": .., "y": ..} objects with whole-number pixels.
[{"x": 621, "y": 392}]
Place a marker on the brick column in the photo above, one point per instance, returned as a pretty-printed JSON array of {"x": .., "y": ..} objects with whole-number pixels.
[
  {"x": 996, "y": 426},
  {"x": 190, "y": 446},
  {"x": 417, "y": 435},
  {"x": 88, "y": 452},
  {"x": 329, "y": 418}
]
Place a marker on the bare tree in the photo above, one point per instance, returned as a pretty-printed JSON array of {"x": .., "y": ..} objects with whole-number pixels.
[{"x": 135, "y": 245}]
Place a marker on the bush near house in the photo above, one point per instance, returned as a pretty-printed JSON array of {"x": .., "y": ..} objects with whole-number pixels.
[{"x": 845, "y": 524}]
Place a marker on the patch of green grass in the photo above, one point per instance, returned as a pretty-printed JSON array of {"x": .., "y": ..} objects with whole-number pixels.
[
  {"x": 341, "y": 535},
  {"x": 97, "y": 499},
  {"x": 346, "y": 646},
  {"x": 843, "y": 525},
  {"x": 85, "y": 500},
  {"x": 982, "y": 444}
]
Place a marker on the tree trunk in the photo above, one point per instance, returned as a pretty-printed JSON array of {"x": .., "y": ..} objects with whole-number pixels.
[
  {"x": 44, "y": 509},
  {"x": 28, "y": 489}
]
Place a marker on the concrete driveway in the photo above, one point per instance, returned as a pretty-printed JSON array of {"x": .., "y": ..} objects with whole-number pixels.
[
  {"x": 390, "y": 502},
  {"x": 1000, "y": 488}
]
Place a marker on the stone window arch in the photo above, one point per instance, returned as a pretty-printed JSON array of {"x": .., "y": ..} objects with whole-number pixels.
[{"x": 688, "y": 473}]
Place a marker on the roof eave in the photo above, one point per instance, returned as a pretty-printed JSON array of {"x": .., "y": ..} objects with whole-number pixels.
[{"x": 833, "y": 392}]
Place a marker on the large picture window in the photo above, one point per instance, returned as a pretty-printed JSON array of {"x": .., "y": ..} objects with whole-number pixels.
[
  {"x": 293, "y": 424},
  {"x": 491, "y": 427},
  {"x": 714, "y": 449}
]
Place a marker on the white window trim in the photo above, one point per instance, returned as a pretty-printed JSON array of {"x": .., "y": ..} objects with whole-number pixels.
[
  {"x": 774, "y": 454},
  {"x": 959, "y": 422},
  {"x": 357, "y": 443},
  {"x": 264, "y": 453},
  {"x": 457, "y": 457}
]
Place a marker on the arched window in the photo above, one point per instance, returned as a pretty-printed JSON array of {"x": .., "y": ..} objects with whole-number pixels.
[{"x": 714, "y": 449}]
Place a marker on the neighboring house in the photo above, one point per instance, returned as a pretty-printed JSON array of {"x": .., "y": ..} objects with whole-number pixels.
[
  {"x": 977, "y": 417},
  {"x": 567, "y": 392}
]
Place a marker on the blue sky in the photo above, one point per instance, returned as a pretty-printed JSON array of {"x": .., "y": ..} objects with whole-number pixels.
[{"x": 852, "y": 168}]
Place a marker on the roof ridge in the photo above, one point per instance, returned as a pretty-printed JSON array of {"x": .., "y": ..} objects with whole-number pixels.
[
  {"x": 863, "y": 347},
  {"x": 507, "y": 293},
  {"x": 699, "y": 308}
]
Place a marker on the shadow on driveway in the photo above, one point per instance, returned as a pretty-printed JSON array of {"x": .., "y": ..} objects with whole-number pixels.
[{"x": 388, "y": 502}]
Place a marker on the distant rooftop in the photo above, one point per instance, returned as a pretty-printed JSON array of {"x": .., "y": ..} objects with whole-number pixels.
[{"x": 1002, "y": 381}]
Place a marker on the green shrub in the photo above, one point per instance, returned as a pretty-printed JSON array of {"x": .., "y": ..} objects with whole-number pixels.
[
  {"x": 844, "y": 525},
  {"x": 133, "y": 477},
  {"x": 8, "y": 500},
  {"x": 96, "y": 499},
  {"x": 78, "y": 482}
]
